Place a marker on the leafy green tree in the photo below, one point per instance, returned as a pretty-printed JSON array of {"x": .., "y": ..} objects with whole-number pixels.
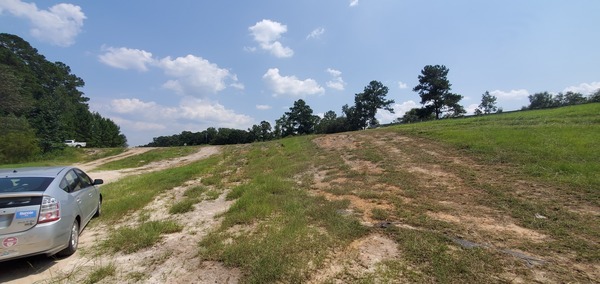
[
  {"x": 48, "y": 95},
  {"x": 265, "y": 131},
  {"x": 14, "y": 99},
  {"x": 541, "y": 101},
  {"x": 331, "y": 123},
  {"x": 573, "y": 98},
  {"x": 18, "y": 142},
  {"x": 299, "y": 120},
  {"x": 261, "y": 132},
  {"x": 595, "y": 97},
  {"x": 434, "y": 89},
  {"x": 417, "y": 115},
  {"x": 366, "y": 104},
  {"x": 487, "y": 105}
]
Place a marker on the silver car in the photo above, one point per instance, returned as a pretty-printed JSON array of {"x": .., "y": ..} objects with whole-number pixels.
[{"x": 43, "y": 210}]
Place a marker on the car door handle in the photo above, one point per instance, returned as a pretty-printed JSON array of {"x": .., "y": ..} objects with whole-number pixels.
[{"x": 78, "y": 200}]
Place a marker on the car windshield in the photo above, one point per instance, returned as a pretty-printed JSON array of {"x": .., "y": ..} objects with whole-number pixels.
[{"x": 22, "y": 184}]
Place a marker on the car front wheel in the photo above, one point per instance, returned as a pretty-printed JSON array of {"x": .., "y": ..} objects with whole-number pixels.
[{"x": 73, "y": 241}]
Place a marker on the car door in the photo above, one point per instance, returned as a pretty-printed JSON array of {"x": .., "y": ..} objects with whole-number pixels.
[
  {"x": 90, "y": 194},
  {"x": 72, "y": 185}
]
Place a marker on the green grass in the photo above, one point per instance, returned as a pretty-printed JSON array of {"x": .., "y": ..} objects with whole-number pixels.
[
  {"x": 100, "y": 273},
  {"x": 148, "y": 157},
  {"x": 555, "y": 145},
  {"x": 68, "y": 156},
  {"x": 132, "y": 194},
  {"x": 129, "y": 240},
  {"x": 289, "y": 229},
  {"x": 183, "y": 206},
  {"x": 277, "y": 231}
]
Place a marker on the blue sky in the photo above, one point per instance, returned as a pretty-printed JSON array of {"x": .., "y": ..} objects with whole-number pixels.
[{"x": 161, "y": 67}]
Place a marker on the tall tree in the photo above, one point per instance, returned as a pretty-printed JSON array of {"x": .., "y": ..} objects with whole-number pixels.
[
  {"x": 301, "y": 119},
  {"x": 48, "y": 95},
  {"x": 366, "y": 104},
  {"x": 594, "y": 97},
  {"x": 487, "y": 105},
  {"x": 541, "y": 101},
  {"x": 434, "y": 89}
]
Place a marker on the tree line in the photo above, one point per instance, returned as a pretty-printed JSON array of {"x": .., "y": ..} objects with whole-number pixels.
[
  {"x": 437, "y": 102},
  {"x": 41, "y": 106},
  {"x": 434, "y": 88}
]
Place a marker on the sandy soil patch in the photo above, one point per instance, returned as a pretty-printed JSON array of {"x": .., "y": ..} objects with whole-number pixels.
[{"x": 170, "y": 261}]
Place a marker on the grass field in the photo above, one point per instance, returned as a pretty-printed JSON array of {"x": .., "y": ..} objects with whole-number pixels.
[
  {"x": 493, "y": 199},
  {"x": 555, "y": 145}
]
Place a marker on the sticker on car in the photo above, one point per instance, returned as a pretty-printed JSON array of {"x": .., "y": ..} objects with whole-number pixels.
[
  {"x": 26, "y": 214},
  {"x": 9, "y": 242}
]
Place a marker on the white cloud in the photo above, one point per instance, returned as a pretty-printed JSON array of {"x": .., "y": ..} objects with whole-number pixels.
[
  {"x": 263, "y": 107},
  {"x": 211, "y": 113},
  {"x": 59, "y": 25},
  {"x": 290, "y": 85},
  {"x": 237, "y": 85},
  {"x": 126, "y": 58},
  {"x": 316, "y": 33},
  {"x": 337, "y": 83},
  {"x": 353, "y": 3},
  {"x": 385, "y": 116},
  {"x": 584, "y": 88},
  {"x": 402, "y": 85},
  {"x": 147, "y": 110},
  {"x": 511, "y": 100},
  {"x": 138, "y": 125},
  {"x": 267, "y": 33},
  {"x": 510, "y": 95},
  {"x": 140, "y": 120},
  {"x": 470, "y": 109},
  {"x": 195, "y": 75}
]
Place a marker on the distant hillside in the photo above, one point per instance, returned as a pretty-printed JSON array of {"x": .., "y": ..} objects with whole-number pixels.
[{"x": 42, "y": 105}]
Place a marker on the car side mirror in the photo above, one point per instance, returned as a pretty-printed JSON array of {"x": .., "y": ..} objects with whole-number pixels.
[{"x": 98, "y": 181}]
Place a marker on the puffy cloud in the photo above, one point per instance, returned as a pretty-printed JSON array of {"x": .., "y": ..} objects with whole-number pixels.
[
  {"x": 141, "y": 120},
  {"x": 267, "y": 33},
  {"x": 584, "y": 88},
  {"x": 148, "y": 110},
  {"x": 470, "y": 109},
  {"x": 192, "y": 75},
  {"x": 337, "y": 83},
  {"x": 126, "y": 58},
  {"x": 316, "y": 33},
  {"x": 402, "y": 85},
  {"x": 512, "y": 94},
  {"x": 385, "y": 116},
  {"x": 59, "y": 25},
  {"x": 290, "y": 85},
  {"x": 212, "y": 113},
  {"x": 195, "y": 75},
  {"x": 138, "y": 125},
  {"x": 353, "y": 3},
  {"x": 263, "y": 107}
]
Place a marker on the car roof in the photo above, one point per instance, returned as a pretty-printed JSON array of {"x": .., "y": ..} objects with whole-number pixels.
[{"x": 33, "y": 171}]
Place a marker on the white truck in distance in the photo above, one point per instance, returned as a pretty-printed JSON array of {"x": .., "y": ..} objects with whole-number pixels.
[{"x": 73, "y": 143}]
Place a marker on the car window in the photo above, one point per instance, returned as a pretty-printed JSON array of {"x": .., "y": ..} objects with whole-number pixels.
[
  {"x": 70, "y": 183},
  {"x": 22, "y": 184},
  {"x": 85, "y": 179}
]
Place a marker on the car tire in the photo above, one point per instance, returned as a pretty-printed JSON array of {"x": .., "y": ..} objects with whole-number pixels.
[
  {"x": 73, "y": 241},
  {"x": 98, "y": 209}
]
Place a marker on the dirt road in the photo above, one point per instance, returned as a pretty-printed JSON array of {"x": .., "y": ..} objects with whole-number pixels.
[{"x": 165, "y": 262}]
